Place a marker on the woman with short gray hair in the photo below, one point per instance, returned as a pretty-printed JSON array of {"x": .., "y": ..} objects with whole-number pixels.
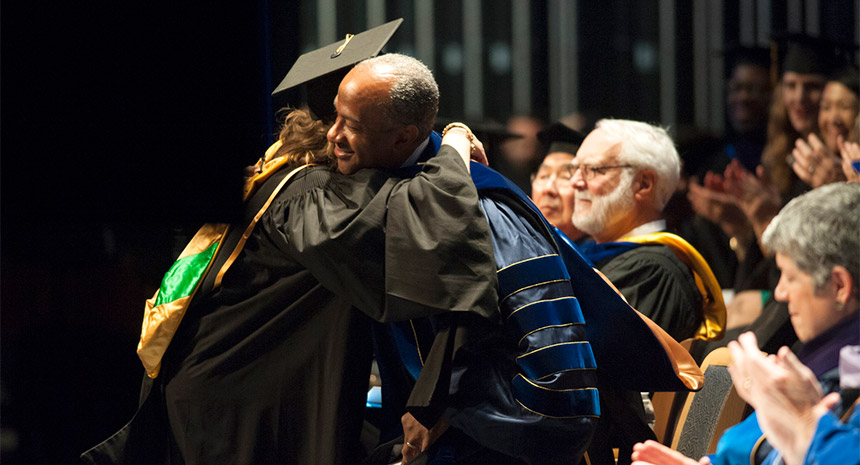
[
  {"x": 816, "y": 238},
  {"x": 820, "y": 231}
]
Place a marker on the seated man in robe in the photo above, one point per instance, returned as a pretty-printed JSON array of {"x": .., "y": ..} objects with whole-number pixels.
[{"x": 623, "y": 175}]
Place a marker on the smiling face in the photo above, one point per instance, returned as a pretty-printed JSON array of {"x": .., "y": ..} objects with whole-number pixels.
[
  {"x": 604, "y": 200},
  {"x": 362, "y": 135},
  {"x": 552, "y": 192},
  {"x": 812, "y": 311},
  {"x": 839, "y": 108},
  {"x": 802, "y": 95}
]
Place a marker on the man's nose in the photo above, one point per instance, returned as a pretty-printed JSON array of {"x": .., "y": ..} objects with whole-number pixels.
[
  {"x": 333, "y": 134},
  {"x": 578, "y": 180},
  {"x": 805, "y": 94},
  {"x": 551, "y": 187}
]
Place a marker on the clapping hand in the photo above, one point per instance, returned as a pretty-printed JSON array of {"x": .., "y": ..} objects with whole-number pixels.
[{"x": 814, "y": 163}]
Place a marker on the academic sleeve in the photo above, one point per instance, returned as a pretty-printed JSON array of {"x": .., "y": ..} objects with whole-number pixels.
[
  {"x": 439, "y": 252},
  {"x": 527, "y": 388},
  {"x": 835, "y": 442},
  {"x": 420, "y": 242}
]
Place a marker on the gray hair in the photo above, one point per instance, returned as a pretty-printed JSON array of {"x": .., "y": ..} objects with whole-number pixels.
[
  {"x": 646, "y": 146},
  {"x": 820, "y": 230},
  {"x": 414, "y": 95}
]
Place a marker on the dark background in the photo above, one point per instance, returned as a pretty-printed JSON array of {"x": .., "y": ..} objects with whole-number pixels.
[{"x": 124, "y": 126}]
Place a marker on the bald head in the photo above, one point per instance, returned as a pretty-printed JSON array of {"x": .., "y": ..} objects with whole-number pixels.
[{"x": 413, "y": 96}]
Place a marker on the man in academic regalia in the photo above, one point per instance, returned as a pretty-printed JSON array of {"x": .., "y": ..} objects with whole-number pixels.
[
  {"x": 623, "y": 174},
  {"x": 520, "y": 392},
  {"x": 747, "y": 105}
]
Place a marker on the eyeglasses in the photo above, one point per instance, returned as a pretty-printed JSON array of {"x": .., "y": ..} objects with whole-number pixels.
[
  {"x": 546, "y": 178},
  {"x": 589, "y": 172}
]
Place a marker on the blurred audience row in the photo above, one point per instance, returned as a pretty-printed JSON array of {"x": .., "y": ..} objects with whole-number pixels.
[{"x": 612, "y": 189}]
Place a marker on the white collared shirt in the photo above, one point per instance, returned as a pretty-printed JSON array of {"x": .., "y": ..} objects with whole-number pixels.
[{"x": 647, "y": 228}]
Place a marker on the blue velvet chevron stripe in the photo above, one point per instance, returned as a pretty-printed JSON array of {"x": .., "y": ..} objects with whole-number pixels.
[
  {"x": 545, "y": 314},
  {"x": 530, "y": 273},
  {"x": 556, "y": 367},
  {"x": 563, "y": 403},
  {"x": 557, "y": 358},
  {"x": 600, "y": 252}
]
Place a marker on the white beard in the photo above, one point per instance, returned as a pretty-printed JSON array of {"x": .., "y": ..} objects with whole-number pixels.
[{"x": 605, "y": 209}]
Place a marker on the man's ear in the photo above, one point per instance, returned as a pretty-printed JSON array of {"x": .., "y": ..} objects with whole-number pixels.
[
  {"x": 407, "y": 135},
  {"x": 645, "y": 185}
]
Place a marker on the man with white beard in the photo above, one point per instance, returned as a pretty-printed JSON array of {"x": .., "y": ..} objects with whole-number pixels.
[{"x": 623, "y": 175}]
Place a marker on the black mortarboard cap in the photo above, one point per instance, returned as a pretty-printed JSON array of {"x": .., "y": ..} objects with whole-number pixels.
[
  {"x": 324, "y": 68},
  {"x": 558, "y": 137},
  {"x": 806, "y": 55}
]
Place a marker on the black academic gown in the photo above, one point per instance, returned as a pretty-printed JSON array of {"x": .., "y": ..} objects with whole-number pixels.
[
  {"x": 655, "y": 282},
  {"x": 273, "y": 366}
]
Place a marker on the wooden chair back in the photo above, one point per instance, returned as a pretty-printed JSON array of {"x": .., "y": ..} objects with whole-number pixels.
[{"x": 708, "y": 413}]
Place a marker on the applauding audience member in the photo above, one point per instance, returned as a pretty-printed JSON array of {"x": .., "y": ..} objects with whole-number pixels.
[
  {"x": 816, "y": 161},
  {"x": 818, "y": 251}
]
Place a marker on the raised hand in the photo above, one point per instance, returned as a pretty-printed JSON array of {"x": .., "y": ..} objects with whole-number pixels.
[
  {"x": 784, "y": 392},
  {"x": 814, "y": 163}
]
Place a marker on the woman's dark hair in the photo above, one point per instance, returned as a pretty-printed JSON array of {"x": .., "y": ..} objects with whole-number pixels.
[{"x": 848, "y": 77}]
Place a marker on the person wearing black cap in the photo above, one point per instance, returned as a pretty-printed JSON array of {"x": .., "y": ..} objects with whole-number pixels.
[
  {"x": 804, "y": 63},
  {"x": 270, "y": 362},
  {"x": 742, "y": 201},
  {"x": 520, "y": 156},
  {"x": 262, "y": 373},
  {"x": 816, "y": 161},
  {"x": 794, "y": 114},
  {"x": 552, "y": 190}
]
